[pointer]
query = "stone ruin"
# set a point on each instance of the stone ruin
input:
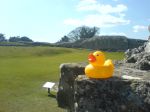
(140, 56)
(77, 93)
(127, 91)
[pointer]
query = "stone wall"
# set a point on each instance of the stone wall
(111, 95)
(77, 93)
(105, 43)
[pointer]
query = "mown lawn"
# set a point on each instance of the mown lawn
(23, 71)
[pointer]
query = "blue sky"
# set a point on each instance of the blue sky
(49, 20)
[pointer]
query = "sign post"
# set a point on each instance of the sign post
(49, 85)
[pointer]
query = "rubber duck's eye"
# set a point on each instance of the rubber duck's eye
(97, 55)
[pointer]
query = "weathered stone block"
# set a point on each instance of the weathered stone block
(68, 73)
(111, 95)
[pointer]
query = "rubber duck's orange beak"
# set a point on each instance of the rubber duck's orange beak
(91, 58)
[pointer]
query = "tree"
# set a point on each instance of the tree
(65, 39)
(25, 39)
(14, 39)
(2, 38)
(83, 32)
(20, 39)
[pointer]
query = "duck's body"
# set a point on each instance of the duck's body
(98, 67)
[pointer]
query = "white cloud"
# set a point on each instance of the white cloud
(138, 28)
(104, 15)
(98, 20)
(93, 5)
(106, 9)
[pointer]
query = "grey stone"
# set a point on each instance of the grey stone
(77, 93)
(111, 95)
(68, 73)
(144, 62)
(147, 48)
(140, 56)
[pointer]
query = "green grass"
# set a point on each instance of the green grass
(23, 71)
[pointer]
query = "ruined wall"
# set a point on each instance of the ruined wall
(140, 56)
(77, 93)
(105, 43)
(111, 95)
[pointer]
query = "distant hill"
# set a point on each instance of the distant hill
(106, 43)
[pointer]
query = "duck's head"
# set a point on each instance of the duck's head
(97, 58)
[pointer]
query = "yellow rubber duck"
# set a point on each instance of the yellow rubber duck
(98, 67)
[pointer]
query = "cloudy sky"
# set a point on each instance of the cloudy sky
(49, 20)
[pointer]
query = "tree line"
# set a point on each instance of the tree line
(14, 39)
(80, 33)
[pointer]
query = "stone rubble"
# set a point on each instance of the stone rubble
(140, 56)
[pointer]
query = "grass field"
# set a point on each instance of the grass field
(23, 71)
